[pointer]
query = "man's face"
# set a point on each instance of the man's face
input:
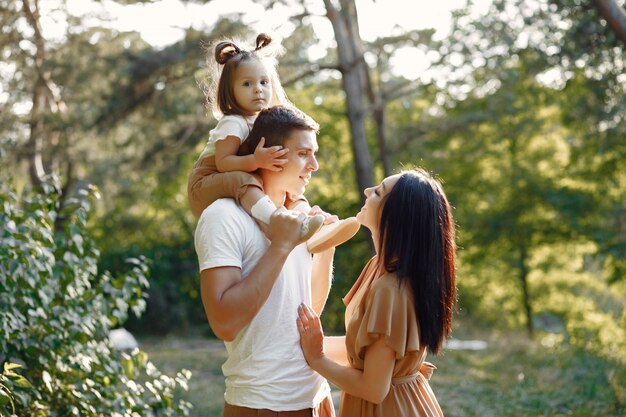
(296, 173)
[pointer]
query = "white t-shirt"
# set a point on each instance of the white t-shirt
(231, 125)
(265, 367)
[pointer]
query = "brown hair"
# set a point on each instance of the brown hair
(224, 58)
(275, 124)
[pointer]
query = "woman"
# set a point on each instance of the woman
(399, 308)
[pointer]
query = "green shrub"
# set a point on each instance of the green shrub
(11, 383)
(57, 310)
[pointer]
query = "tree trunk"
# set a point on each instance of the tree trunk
(45, 100)
(523, 275)
(380, 114)
(354, 81)
(614, 15)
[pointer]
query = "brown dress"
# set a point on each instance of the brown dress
(376, 307)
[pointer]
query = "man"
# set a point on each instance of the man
(251, 287)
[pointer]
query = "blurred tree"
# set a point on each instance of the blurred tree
(590, 64)
(515, 129)
(614, 15)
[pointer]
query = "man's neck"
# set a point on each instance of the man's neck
(278, 197)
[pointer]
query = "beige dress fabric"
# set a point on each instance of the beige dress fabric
(376, 307)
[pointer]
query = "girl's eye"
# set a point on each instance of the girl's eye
(265, 82)
(376, 192)
(246, 84)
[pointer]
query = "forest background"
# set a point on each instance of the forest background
(524, 122)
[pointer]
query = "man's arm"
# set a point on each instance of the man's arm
(321, 278)
(231, 302)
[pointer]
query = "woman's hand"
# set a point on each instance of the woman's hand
(328, 218)
(311, 334)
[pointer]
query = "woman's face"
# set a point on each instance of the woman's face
(369, 216)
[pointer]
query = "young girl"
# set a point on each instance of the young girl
(244, 83)
(400, 307)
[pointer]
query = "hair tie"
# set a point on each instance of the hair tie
(262, 41)
(225, 51)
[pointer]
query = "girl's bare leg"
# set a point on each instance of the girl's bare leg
(330, 234)
(260, 207)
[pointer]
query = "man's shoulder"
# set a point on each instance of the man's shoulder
(222, 218)
(225, 208)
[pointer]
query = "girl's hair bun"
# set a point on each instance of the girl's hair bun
(225, 51)
(262, 40)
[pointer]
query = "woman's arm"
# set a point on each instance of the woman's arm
(335, 349)
(372, 383)
(226, 158)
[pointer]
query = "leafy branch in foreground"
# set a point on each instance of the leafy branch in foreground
(57, 312)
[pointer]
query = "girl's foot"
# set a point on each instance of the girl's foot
(310, 225)
(333, 234)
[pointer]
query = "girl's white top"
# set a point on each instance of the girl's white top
(231, 125)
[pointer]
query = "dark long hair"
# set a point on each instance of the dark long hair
(417, 242)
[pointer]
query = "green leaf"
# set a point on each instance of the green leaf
(47, 380)
(22, 382)
(129, 366)
(9, 365)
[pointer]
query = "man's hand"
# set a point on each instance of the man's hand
(270, 158)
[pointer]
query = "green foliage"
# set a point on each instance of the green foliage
(525, 127)
(10, 384)
(58, 310)
(174, 284)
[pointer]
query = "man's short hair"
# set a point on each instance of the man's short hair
(275, 124)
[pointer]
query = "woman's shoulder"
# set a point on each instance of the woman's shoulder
(389, 284)
(387, 280)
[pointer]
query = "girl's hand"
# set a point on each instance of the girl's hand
(311, 334)
(270, 158)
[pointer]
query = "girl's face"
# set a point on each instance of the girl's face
(252, 86)
(369, 216)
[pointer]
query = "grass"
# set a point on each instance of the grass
(203, 356)
(516, 377)
(513, 377)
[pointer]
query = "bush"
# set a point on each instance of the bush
(57, 311)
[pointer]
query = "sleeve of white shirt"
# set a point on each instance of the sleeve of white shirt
(219, 237)
(231, 126)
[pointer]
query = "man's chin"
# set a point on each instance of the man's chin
(297, 190)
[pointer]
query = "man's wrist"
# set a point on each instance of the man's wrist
(281, 248)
